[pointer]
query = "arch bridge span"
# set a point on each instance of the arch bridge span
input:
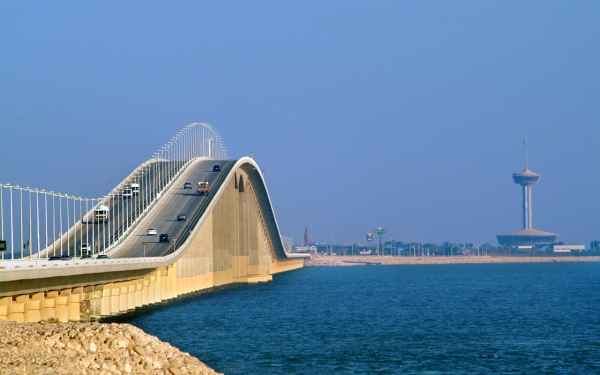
(228, 236)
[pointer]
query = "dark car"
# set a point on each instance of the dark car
(181, 217)
(54, 258)
(217, 168)
(65, 257)
(164, 238)
(102, 256)
(187, 185)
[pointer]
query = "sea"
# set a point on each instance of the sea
(527, 318)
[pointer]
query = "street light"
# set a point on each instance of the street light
(452, 248)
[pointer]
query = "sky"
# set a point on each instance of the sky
(409, 115)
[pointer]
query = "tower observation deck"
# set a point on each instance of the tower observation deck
(527, 236)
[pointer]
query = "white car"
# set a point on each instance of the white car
(152, 232)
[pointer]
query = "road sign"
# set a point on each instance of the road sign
(174, 239)
(143, 244)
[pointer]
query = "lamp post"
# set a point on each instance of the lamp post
(37, 214)
(53, 224)
(30, 228)
(379, 231)
(68, 225)
(12, 238)
(451, 249)
(1, 215)
(61, 222)
(45, 219)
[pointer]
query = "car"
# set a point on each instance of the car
(102, 256)
(187, 185)
(151, 232)
(164, 237)
(65, 257)
(54, 257)
(86, 256)
(181, 217)
(217, 168)
(85, 248)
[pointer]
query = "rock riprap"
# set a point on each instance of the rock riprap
(89, 348)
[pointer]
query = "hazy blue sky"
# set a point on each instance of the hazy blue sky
(406, 115)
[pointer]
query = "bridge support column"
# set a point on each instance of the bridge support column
(153, 296)
(61, 308)
(157, 286)
(4, 304)
(173, 277)
(123, 300)
(146, 291)
(74, 307)
(33, 312)
(16, 309)
(105, 302)
(131, 295)
(48, 305)
(86, 307)
(34, 308)
(164, 284)
(137, 297)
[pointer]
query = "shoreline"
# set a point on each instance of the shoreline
(348, 261)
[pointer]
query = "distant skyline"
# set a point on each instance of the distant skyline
(406, 115)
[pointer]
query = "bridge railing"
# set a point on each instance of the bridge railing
(35, 223)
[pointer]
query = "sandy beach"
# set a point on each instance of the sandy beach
(334, 261)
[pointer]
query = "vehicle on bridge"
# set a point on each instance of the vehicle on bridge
(164, 237)
(86, 249)
(127, 193)
(216, 168)
(152, 232)
(135, 189)
(202, 188)
(181, 217)
(187, 185)
(101, 213)
(102, 256)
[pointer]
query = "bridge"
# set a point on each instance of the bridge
(74, 258)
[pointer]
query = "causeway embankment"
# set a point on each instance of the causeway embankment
(340, 261)
(90, 348)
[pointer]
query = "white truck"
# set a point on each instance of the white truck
(202, 188)
(101, 213)
(135, 189)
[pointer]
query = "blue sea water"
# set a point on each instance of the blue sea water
(433, 319)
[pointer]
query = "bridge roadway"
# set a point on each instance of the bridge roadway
(164, 217)
(123, 212)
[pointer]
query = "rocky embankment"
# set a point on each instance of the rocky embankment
(89, 348)
(334, 261)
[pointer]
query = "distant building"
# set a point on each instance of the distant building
(306, 249)
(307, 241)
(527, 237)
(567, 248)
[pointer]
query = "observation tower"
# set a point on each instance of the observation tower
(527, 237)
